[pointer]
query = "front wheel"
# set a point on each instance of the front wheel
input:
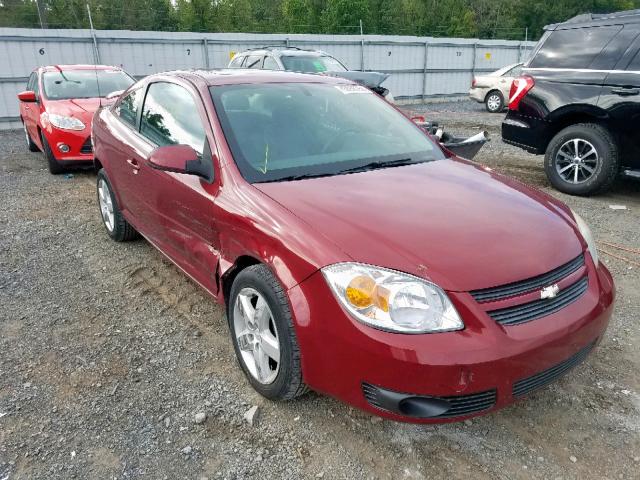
(494, 102)
(263, 334)
(582, 159)
(117, 227)
(54, 167)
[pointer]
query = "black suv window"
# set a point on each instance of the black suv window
(635, 63)
(574, 48)
(128, 107)
(170, 117)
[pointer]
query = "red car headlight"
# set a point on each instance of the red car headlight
(62, 122)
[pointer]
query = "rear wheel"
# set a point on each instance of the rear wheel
(54, 166)
(30, 145)
(494, 102)
(117, 227)
(582, 159)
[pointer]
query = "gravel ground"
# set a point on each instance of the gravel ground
(108, 354)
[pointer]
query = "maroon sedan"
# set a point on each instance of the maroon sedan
(354, 256)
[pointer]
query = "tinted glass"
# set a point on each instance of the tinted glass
(574, 48)
(253, 61)
(281, 130)
(129, 106)
(311, 64)
(170, 117)
(84, 83)
(635, 63)
(270, 64)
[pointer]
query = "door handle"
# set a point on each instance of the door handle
(134, 164)
(625, 92)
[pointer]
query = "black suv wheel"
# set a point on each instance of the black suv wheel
(582, 159)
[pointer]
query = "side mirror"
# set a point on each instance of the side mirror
(27, 96)
(179, 159)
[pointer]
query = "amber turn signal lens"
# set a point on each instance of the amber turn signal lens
(360, 291)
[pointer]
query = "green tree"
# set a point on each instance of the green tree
(343, 16)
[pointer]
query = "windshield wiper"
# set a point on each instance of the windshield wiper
(381, 164)
(302, 176)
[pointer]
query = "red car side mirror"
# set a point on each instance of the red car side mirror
(27, 96)
(178, 159)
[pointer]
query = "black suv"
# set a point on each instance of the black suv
(578, 101)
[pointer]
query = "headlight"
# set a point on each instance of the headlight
(390, 300)
(588, 236)
(64, 123)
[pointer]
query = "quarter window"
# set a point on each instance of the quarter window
(236, 62)
(170, 117)
(128, 107)
(574, 48)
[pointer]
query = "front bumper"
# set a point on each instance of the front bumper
(77, 143)
(344, 358)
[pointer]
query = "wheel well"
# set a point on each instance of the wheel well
(97, 164)
(573, 119)
(230, 275)
(492, 91)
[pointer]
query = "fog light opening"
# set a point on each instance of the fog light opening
(63, 147)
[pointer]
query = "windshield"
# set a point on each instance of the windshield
(84, 83)
(286, 130)
(312, 64)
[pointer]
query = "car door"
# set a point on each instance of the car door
(126, 155)
(30, 111)
(620, 96)
(179, 205)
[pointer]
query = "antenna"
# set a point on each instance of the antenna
(96, 54)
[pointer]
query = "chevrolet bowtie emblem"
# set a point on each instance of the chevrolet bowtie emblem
(550, 292)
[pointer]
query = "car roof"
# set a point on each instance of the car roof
(293, 51)
(594, 20)
(235, 76)
(66, 68)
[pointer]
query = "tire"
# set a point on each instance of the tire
(54, 167)
(596, 172)
(494, 102)
(281, 380)
(30, 145)
(118, 228)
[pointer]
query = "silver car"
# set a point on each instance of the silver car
(294, 59)
(493, 89)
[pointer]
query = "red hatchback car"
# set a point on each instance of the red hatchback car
(354, 256)
(57, 108)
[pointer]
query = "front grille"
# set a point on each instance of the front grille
(527, 385)
(86, 146)
(534, 283)
(460, 405)
(539, 308)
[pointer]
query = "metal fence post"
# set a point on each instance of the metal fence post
(205, 47)
(473, 65)
(424, 71)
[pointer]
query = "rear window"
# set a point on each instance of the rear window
(311, 64)
(574, 48)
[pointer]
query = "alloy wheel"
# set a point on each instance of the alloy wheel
(257, 336)
(106, 205)
(577, 161)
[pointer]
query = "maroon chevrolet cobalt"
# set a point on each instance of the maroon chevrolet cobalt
(353, 255)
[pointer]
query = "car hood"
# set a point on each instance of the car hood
(458, 224)
(82, 108)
